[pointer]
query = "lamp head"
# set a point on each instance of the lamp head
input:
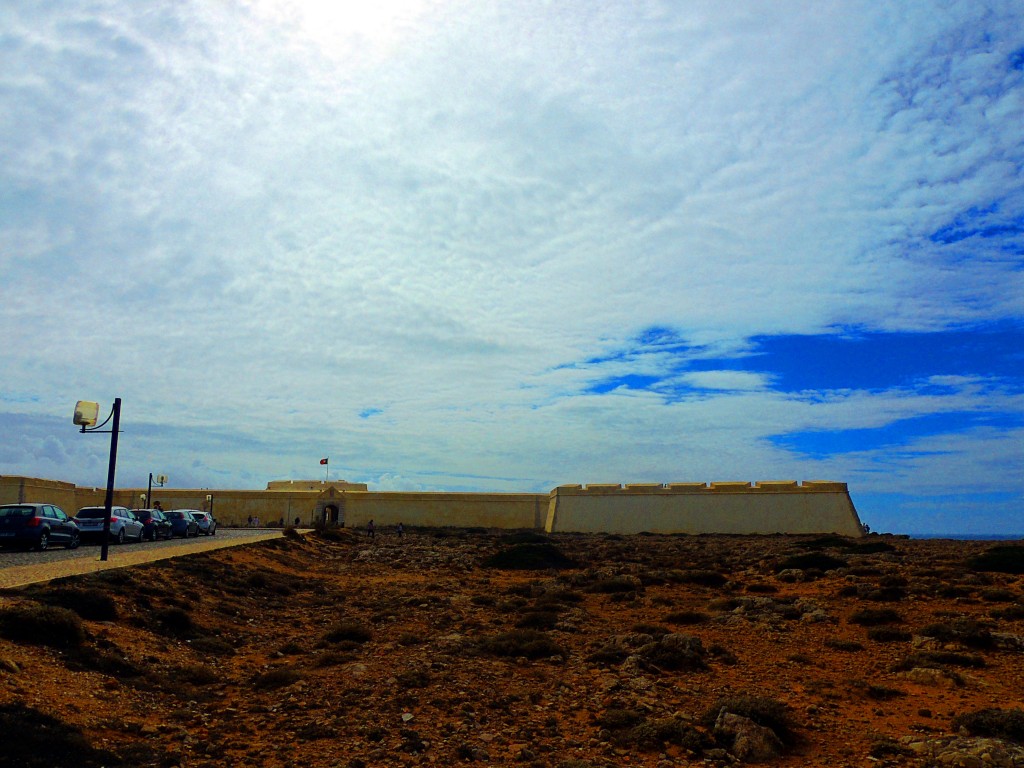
(86, 413)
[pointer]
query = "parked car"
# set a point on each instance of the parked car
(123, 524)
(182, 523)
(37, 525)
(155, 524)
(207, 525)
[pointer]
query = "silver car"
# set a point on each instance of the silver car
(207, 525)
(123, 524)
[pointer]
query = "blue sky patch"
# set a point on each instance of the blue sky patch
(865, 361)
(885, 360)
(821, 444)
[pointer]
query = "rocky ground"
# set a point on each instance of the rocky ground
(470, 647)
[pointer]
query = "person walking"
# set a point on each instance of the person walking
(400, 530)
(371, 529)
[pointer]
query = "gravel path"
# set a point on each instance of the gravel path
(18, 568)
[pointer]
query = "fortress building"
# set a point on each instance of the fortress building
(810, 507)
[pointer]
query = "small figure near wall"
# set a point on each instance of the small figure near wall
(371, 529)
(400, 530)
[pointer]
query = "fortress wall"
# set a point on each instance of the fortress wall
(740, 508)
(487, 510)
(694, 508)
(15, 489)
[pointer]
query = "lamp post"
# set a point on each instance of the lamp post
(209, 499)
(160, 480)
(86, 413)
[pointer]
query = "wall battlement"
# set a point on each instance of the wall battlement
(763, 486)
(766, 507)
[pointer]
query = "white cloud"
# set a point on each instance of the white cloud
(223, 210)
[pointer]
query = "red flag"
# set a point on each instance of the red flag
(323, 461)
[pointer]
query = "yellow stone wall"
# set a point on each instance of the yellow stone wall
(487, 510)
(694, 508)
(733, 507)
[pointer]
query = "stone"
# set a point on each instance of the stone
(751, 742)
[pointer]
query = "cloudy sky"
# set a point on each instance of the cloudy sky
(504, 246)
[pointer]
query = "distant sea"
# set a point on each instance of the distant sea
(970, 536)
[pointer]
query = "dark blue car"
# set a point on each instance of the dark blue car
(182, 523)
(37, 525)
(155, 524)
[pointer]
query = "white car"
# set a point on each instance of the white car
(123, 524)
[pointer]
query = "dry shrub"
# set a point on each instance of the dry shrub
(702, 578)
(1009, 613)
(614, 584)
(42, 741)
(888, 635)
(872, 617)
(42, 625)
(763, 710)
(275, 678)
(175, 621)
(1003, 559)
(91, 604)
(529, 557)
(688, 617)
(967, 632)
(817, 561)
(849, 646)
(993, 722)
(346, 631)
(940, 659)
(674, 652)
(521, 642)
(538, 620)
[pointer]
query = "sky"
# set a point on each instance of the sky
(491, 246)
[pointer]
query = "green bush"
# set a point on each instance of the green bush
(47, 625)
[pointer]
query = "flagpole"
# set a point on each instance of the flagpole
(327, 470)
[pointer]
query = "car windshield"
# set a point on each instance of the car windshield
(16, 511)
(92, 514)
(175, 515)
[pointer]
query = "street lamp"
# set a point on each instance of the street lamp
(86, 414)
(209, 498)
(160, 480)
